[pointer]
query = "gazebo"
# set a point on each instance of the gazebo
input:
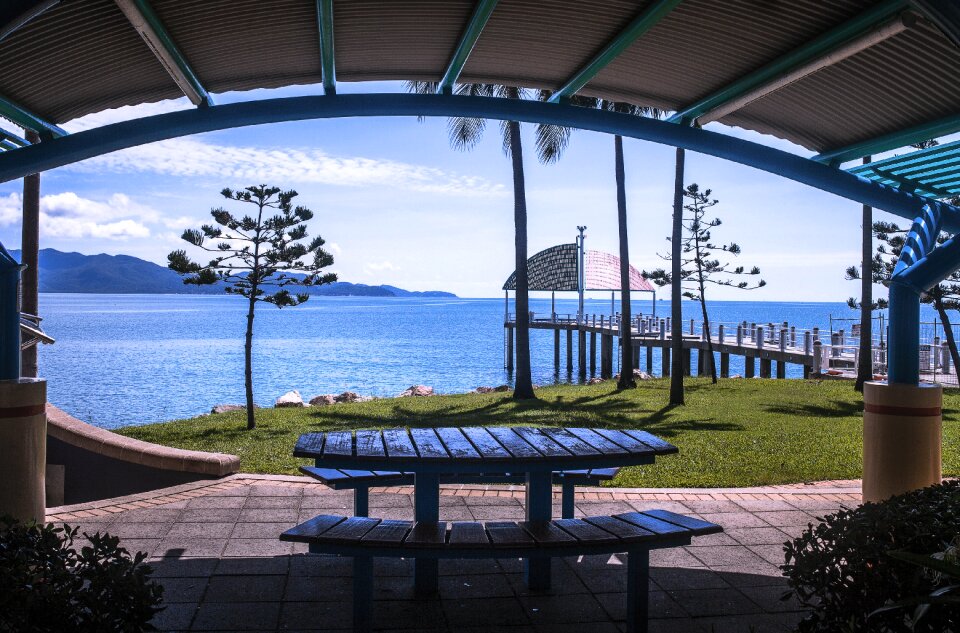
(845, 79)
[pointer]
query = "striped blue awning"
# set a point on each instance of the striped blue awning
(932, 172)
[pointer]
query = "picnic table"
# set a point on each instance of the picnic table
(429, 453)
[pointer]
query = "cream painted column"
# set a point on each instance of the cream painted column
(23, 448)
(901, 438)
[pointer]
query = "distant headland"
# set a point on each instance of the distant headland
(124, 274)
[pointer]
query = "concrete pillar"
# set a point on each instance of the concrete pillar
(593, 353)
(606, 356)
(765, 366)
(650, 359)
(749, 366)
(569, 351)
(902, 426)
(23, 436)
(781, 369)
(556, 350)
(582, 353)
(664, 361)
(509, 359)
(687, 362)
(724, 365)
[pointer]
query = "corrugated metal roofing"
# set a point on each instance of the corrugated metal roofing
(82, 56)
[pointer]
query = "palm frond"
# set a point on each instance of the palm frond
(465, 132)
(551, 142)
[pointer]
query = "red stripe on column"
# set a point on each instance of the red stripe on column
(919, 412)
(23, 412)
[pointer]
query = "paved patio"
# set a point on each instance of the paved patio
(214, 547)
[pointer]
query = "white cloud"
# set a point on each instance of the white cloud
(67, 215)
(372, 268)
(190, 157)
(125, 113)
(333, 248)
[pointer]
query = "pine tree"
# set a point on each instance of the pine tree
(258, 257)
(699, 265)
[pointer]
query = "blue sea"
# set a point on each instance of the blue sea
(135, 359)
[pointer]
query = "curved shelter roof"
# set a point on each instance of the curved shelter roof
(60, 59)
(555, 268)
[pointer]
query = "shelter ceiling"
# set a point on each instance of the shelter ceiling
(83, 56)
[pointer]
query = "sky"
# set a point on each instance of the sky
(397, 205)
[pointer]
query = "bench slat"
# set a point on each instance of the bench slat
(339, 443)
(389, 532)
(370, 444)
(632, 444)
(516, 445)
(653, 524)
(468, 534)
(312, 528)
(546, 533)
(458, 445)
(570, 442)
(398, 443)
(597, 441)
(427, 533)
(542, 442)
(358, 474)
(654, 442)
(428, 444)
(508, 534)
(324, 475)
(586, 532)
(308, 445)
(486, 444)
(626, 532)
(353, 529)
(696, 525)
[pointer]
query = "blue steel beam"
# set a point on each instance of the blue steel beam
(7, 145)
(481, 13)
(116, 136)
(621, 42)
(28, 120)
(327, 60)
(16, 139)
(893, 140)
(148, 24)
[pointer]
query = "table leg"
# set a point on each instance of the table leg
(539, 507)
(426, 507)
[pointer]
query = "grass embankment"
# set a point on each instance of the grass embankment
(736, 433)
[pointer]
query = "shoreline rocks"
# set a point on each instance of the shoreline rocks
(416, 391)
(291, 399)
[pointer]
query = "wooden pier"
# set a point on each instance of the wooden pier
(766, 348)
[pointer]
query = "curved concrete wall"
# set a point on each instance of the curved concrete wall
(93, 463)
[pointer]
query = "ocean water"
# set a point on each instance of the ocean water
(135, 359)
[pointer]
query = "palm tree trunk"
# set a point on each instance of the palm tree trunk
(626, 347)
(865, 353)
(948, 334)
(676, 315)
(30, 255)
(523, 388)
(248, 362)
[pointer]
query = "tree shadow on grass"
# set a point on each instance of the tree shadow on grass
(832, 409)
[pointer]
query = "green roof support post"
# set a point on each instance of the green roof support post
(327, 60)
(819, 47)
(481, 13)
(28, 120)
(9, 316)
(900, 138)
(146, 22)
(640, 25)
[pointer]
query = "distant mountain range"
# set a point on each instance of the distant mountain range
(124, 274)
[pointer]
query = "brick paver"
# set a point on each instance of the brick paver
(214, 547)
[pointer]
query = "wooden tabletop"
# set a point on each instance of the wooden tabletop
(478, 449)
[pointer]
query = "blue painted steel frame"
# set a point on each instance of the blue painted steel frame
(9, 316)
(109, 138)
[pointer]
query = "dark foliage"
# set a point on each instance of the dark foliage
(841, 569)
(46, 584)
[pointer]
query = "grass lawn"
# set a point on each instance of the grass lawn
(736, 433)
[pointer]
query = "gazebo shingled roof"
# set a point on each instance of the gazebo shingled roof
(555, 268)
(83, 56)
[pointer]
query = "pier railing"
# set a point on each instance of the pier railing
(833, 351)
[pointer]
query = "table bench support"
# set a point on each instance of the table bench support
(426, 507)
(363, 593)
(361, 501)
(539, 507)
(638, 585)
(566, 500)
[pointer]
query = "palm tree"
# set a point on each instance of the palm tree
(465, 133)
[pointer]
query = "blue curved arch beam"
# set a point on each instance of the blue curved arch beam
(95, 142)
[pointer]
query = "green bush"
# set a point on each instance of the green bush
(841, 570)
(47, 585)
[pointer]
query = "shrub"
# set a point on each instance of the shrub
(47, 585)
(841, 570)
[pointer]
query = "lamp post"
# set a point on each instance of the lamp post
(581, 274)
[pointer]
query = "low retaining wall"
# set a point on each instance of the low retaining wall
(87, 463)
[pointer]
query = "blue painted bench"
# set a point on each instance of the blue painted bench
(635, 533)
(360, 481)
